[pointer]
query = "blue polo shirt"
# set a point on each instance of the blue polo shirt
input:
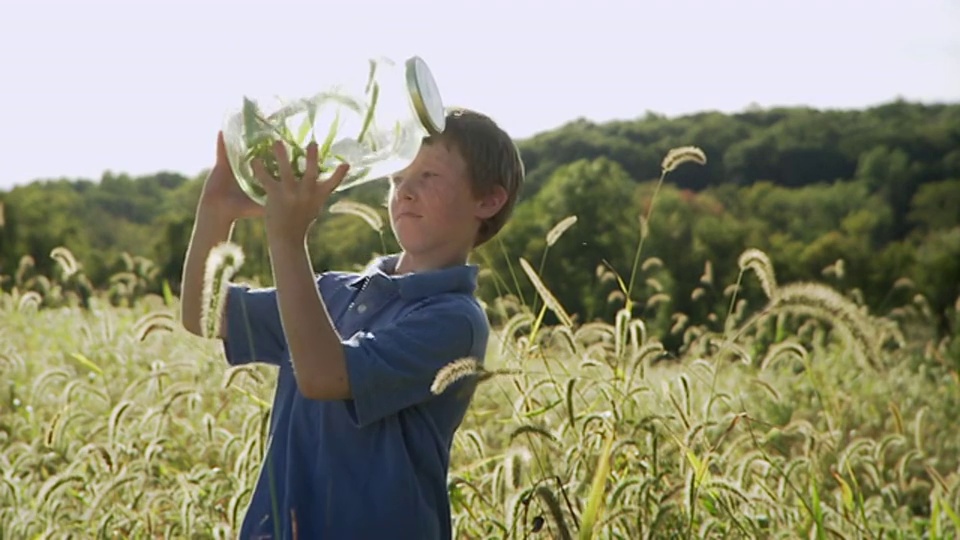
(374, 466)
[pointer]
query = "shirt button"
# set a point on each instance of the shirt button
(361, 308)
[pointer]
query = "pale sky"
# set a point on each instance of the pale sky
(140, 86)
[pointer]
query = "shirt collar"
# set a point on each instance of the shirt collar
(415, 285)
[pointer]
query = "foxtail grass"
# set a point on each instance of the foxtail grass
(222, 264)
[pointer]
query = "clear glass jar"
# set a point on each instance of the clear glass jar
(376, 124)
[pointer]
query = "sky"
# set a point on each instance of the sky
(142, 86)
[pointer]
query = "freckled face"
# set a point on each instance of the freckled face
(432, 206)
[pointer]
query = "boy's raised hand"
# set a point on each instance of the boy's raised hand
(222, 194)
(293, 204)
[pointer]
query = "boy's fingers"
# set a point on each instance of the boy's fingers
(311, 172)
(260, 172)
(221, 148)
(336, 178)
(283, 163)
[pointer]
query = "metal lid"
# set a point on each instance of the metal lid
(425, 96)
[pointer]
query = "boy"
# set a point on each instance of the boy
(359, 447)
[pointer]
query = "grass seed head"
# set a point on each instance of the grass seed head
(223, 262)
(680, 155)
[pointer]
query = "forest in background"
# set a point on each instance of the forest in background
(867, 201)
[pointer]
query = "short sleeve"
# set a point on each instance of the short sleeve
(254, 331)
(392, 367)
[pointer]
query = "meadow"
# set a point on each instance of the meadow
(797, 413)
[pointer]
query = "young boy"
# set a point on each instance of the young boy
(359, 446)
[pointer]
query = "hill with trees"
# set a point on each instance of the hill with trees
(866, 200)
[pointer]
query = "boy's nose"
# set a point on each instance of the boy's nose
(405, 189)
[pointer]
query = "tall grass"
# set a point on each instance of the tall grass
(803, 416)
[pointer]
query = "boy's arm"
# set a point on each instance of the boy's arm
(250, 324)
(313, 342)
(382, 371)
(393, 367)
(209, 230)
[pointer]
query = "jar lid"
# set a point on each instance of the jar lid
(425, 96)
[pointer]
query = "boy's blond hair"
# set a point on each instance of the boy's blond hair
(492, 159)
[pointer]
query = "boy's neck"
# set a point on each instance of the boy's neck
(415, 262)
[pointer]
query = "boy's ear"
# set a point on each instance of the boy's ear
(492, 202)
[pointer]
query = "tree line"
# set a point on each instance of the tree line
(867, 200)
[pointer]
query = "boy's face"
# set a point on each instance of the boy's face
(433, 210)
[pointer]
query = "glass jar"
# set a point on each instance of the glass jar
(377, 126)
